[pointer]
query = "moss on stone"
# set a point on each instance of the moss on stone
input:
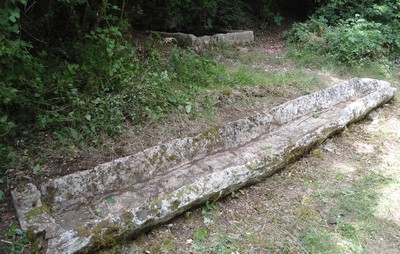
(70, 195)
(211, 134)
(253, 165)
(106, 234)
(174, 199)
(22, 185)
(48, 197)
(172, 158)
(82, 231)
(35, 239)
(127, 217)
(32, 214)
(175, 204)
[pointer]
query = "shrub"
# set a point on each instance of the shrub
(352, 31)
(301, 32)
(356, 40)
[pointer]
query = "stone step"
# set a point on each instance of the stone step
(97, 208)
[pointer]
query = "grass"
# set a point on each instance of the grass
(352, 217)
(326, 63)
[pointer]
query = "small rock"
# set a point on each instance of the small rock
(242, 50)
(328, 146)
(373, 116)
(331, 221)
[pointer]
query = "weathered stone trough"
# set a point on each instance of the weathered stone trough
(93, 209)
(200, 43)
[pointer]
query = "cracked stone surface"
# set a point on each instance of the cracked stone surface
(89, 210)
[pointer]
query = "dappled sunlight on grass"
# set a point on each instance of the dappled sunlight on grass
(389, 203)
(389, 126)
(388, 207)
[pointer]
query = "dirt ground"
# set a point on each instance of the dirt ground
(341, 198)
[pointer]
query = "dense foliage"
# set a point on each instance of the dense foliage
(353, 31)
(203, 16)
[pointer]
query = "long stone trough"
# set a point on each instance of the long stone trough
(97, 208)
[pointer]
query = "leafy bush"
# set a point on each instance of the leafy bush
(356, 40)
(302, 32)
(352, 31)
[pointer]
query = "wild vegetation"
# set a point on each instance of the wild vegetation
(71, 69)
(353, 32)
(72, 72)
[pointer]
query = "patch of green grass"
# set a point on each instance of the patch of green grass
(201, 234)
(359, 200)
(247, 76)
(319, 240)
(298, 80)
(326, 63)
(353, 211)
(207, 211)
(221, 244)
(350, 216)
(309, 58)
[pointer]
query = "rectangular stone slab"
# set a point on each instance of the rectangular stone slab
(202, 43)
(93, 209)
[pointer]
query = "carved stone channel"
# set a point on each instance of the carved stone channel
(89, 210)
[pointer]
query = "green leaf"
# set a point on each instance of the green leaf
(1, 195)
(18, 231)
(207, 219)
(36, 168)
(3, 119)
(188, 109)
(88, 117)
(111, 200)
(74, 134)
(202, 234)
(14, 28)
(14, 14)
(14, 230)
